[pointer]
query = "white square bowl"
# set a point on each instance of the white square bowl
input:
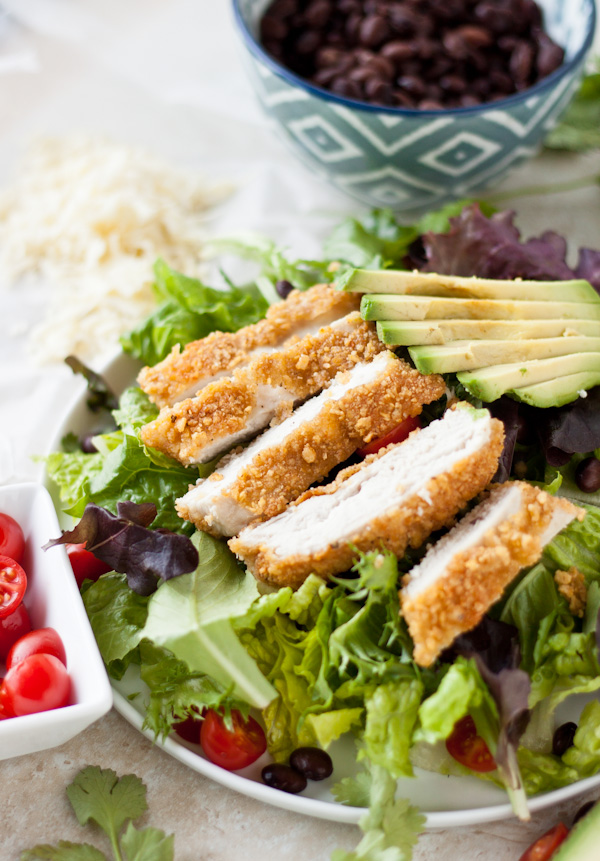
(53, 601)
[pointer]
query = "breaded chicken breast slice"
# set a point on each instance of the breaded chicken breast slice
(184, 372)
(395, 499)
(467, 570)
(362, 404)
(234, 409)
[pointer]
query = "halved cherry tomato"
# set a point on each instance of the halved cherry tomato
(399, 434)
(42, 641)
(189, 729)
(12, 540)
(232, 749)
(84, 564)
(13, 582)
(544, 848)
(468, 748)
(38, 684)
(13, 628)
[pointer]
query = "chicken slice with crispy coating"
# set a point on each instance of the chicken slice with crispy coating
(467, 570)
(182, 374)
(362, 404)
(395, 499)
(233, 409)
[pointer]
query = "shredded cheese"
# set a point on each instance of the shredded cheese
(91, 216)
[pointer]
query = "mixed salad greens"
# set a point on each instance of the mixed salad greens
(333, 658)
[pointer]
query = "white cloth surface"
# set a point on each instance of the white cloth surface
(166, 74)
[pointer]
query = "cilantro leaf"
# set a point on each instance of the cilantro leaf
(63, 851)
(353, 791)
(150, 844)
(100, 795)
(391, 827)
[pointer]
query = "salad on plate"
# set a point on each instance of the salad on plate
(375, 524)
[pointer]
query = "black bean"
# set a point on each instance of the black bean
(478, 50)
(283, 777)
(86, 443)
(430, 105)
(521, 62)
(284, 288)
(413, 85)
(549, 56)
(453, 84)
(563, 737)
(583, 811)
(374, 30)
(344, 86)
(587, 475)
(273, 28)
(317, 14)
(398, 51)
(312, 762)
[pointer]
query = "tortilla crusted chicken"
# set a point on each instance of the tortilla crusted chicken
(394, 499)
(183, 373)
(233, 409)
(467, 570)
(362, 404)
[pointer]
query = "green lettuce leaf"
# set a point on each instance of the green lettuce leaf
(175, 692)
(124, 469)
(579, 129)
(391, 717)
(578, 545)
(584, 755)
(190, 310)
(117, 615)
(191, 617)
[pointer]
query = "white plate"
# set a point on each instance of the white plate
(52, 600)
(446, 801)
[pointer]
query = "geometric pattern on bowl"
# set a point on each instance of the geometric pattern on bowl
(408, 159)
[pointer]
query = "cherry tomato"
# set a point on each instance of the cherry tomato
(189, 729)
(13, 582)
(42, 641)
(12, 540)
(13, 628)
(232, 749)
(84, 564)
(468, 748)
(399, 434)
(37, 684)
(544, 848)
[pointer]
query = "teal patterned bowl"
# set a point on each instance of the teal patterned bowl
(412, 160)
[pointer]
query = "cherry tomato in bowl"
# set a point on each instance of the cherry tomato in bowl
(544, 848)
(234, 748)
(13, 582)
(468, 748)
(12, 628)
(398, 434)
(84, 564)
(37, 684)
(42, 641)
(12, 540)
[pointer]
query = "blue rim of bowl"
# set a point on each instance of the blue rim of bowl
(545, 83)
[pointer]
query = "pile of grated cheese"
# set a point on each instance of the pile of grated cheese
(91, 217)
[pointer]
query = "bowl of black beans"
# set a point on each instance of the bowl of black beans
(412, 103)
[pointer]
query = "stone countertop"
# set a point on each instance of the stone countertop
(106, 68)
(211, 823)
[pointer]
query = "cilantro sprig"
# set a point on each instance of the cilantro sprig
(99, 795)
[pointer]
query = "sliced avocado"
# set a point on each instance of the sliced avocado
(468, 355)
(382, 307)
(556, 393)
(583, 842)
(430, 284)
(408, 333)
(488, 384)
